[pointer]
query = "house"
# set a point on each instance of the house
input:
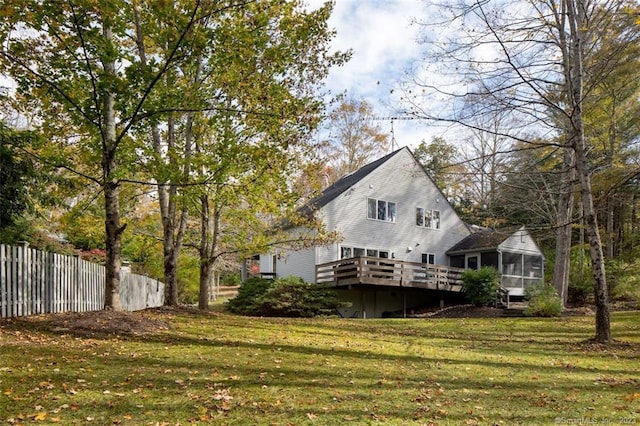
(398, 231)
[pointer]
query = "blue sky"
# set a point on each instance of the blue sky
(384, 47)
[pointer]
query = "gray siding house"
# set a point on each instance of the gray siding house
(397, 232)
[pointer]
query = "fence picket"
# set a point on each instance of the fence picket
(3, 281)
(34, 282)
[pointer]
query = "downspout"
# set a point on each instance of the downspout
(499, 265)
(500, 275)
(522, 271)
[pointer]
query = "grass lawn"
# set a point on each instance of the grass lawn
(222, 369)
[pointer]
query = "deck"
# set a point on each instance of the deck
(388, 272)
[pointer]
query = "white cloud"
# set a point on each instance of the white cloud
(384, 44)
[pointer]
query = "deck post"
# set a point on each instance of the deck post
(404, 304)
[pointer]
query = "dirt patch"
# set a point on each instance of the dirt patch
(90, 324)
(463, 311)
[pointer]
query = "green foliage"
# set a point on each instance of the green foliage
(624, 278)
(230, 279)
(480, 286)
(292, 297)
(438, 158)
(249, 294)
(543, 301)
(188, 278)
(17, 176)
(284, 297)
(580, 276)
(84, 226)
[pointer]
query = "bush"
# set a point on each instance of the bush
(283, 297)
(249, 295)
(624, 280)
(543, 301)
(480, 287)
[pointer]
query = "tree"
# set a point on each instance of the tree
(439, 159)
(355, 138)
(529, 61)
(77, 73)
(17, 176)
(263, 81)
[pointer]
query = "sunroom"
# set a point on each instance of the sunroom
(513, 253)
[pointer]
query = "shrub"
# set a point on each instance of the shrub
(623, 278)
(249, 295)
(480, 287)
(543, 301)
(292, 297)
(283, 297)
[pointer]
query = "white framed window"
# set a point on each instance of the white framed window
(429, 258)
(357, 252)
(427, 218)
(347, 252)
(385, 211)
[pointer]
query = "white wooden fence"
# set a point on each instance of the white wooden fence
(36, 282)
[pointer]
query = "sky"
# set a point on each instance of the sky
(384, 44)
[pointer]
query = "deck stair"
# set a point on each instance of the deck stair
(515, 310)
(227, 291)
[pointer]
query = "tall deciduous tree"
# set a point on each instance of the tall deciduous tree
(355, 138)
(442, 161)
(265, 75)
(76, 68)
(529, 60)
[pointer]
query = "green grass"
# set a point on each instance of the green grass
(224, 369)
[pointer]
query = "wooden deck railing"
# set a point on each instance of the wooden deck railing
(388, 272)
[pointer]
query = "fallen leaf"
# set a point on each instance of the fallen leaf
(39, 416)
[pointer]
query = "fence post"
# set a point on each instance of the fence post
(4, 281)
(23, 279)
(80, 291)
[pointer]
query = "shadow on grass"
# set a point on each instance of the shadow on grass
(285, 369)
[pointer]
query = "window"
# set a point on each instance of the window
(429, 258)
(472, 262)
(347, 252)
(429, 219)
(420, 216)
(381, 210)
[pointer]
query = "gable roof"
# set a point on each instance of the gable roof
(485, 239)
(344, 183)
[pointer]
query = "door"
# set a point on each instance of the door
(473, 261)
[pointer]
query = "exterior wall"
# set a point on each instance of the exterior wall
(520, 242)
(299, 263)
(401, 180)
(383, 302)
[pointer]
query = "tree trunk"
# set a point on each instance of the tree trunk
(603, 327)
(167, 199)
(113, 243)
(574, 82)
(167, 191)
(208, 246)
(206, 276)
(564, 216)
(111, 190)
